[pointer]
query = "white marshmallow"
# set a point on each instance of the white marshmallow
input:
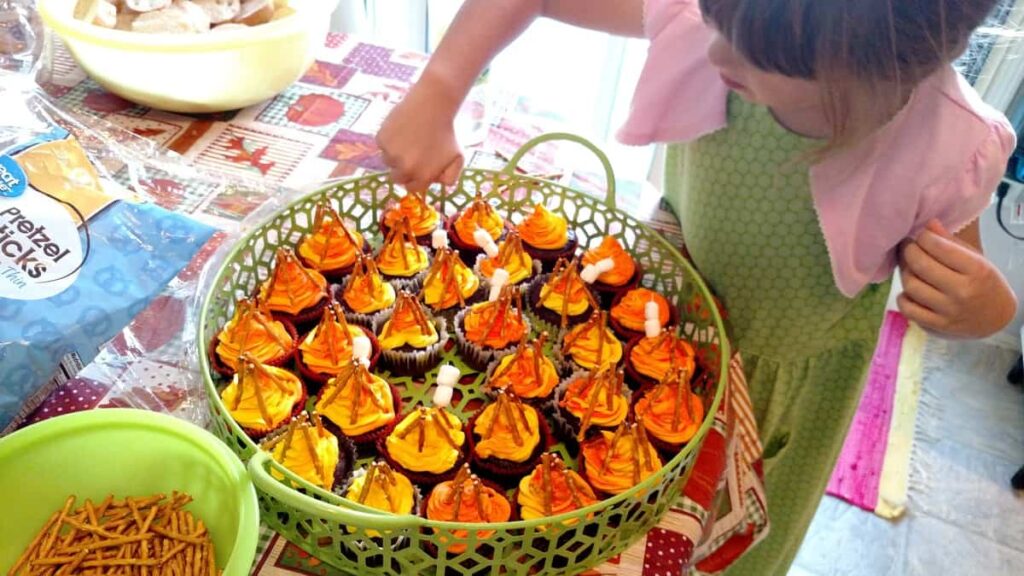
(498, 281)
(606, 265)
(652, 328)
(442, 396)
(590, 274)
(651, 311)
(439, 239)
(361, 348)
(483, 240)
(448, 375)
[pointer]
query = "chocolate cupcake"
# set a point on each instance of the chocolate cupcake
(462, 228)
(332, 248)
(401, 260)
(465, 499)
(328, 349)
(428, 446)
(489, 331)
(623, 275)
(294, 293)
(411, 341)
(360, 406)
(561, 299)
(262, 398)
(423, 218)
(449, 285)
(365, 296)
(649, 360)
(590, 346)
(312, 452)
(528, 373)
(512, 258)
(629, 312)
(588, 402)
(670, 412)
(614, 462)
(255, 332)
(547, 237)
(507, 438)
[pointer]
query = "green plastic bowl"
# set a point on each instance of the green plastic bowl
(125, 453)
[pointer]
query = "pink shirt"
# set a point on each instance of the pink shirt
(941, 157)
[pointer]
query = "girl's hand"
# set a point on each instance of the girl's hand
(950, 288)
(417, 139)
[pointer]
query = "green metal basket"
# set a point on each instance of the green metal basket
(362, 540)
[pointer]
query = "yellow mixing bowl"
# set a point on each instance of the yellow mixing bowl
(195, 73)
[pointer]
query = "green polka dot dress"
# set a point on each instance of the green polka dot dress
(743, 197)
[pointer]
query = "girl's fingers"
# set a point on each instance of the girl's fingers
(922, 264)
(924, 294)
(917, 313)
(947, 250)
(451, 174)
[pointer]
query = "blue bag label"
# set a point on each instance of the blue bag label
(12, 178)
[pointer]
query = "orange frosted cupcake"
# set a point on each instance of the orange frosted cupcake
(506, 438)
(401, 260)
(255, 332)
(552, 489)
(613, 462)
(261, 398)
(490, 330)
(561, 299)
(332, 247)
(466, 500)
(427, 445)
(624, 275)
(547, 237)
(449, 284)
(293, 292)
(649, 360)
(591, 345)
(423, 218)
(312, 452)
(528, 372)
(512, 258)
(629, 312)
(366, 296)
(327, 350)
(462, 227)
(671, 413)
(411, 342)
(589, 402)
(359, 405)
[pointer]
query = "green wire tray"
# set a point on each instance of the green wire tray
(361, 540)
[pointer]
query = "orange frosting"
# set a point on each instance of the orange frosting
(366, 291)
(552, 489)
(630, 309)
(466, 500)
(327, 349)
(292, 287)
(565, 292)
(254, 332)
(402, 258)
(625, 266)
(479, 214)
(449, 282)
(596, 399)
(511, 256)
(331, 245)
(672, 412)
(593, 345)
(408, 326)
(507, 430)
(544, 229)
(653, 357)
(357, 402)
(495, 324)
(528, 373)
(422, 217)
(617, 462)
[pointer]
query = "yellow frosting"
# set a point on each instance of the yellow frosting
(653, 359)
(423, 218)
(327, 349)
(480, 214)
(299, 460)
(441, 507)
(434, 290)
(577, 400)
(531, 494)
(329, 247)
(484, 329)
(279, 403)
(500, 443)
(658, 417)
(368, 293)
(518, 374)
(622, 472)
(402, 329)
(630, 310)
(342, 406)
(559, 288)
(246, 334)
(545, 230)
(586, 342)
(518, 264)
(399, 498)
(437, 455)
(624, 268)
(295, 287)
(391, 261)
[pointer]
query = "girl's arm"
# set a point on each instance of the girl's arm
(418, 138)
(950, 288)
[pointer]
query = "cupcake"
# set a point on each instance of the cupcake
(332, 247)
(589, 402)
(381, 488)
(671, 413)
(623, 275)
(552, 489)
(506, 438)
(253, 331)
(591, 345)
(411, 342)
(466, 500)
(327, 350)
(561, 299)
(629, 312)
(490, 330)
(294, 293)
(615, 462)
(462, 227)
(365, 296)
(512, 258)
(427, 446)
(261, 398)
(311, 452)
(528, 372)
(359, 405)
(401, 260)
(547, 237)
(449, 284)
(423, 218)
(649, 360)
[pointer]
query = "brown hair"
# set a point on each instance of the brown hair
(869, 51)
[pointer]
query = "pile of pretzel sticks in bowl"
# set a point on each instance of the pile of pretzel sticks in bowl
(148, 536)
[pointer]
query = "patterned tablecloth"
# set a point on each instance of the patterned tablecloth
(322, 127)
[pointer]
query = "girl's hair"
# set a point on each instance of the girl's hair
(871, 51)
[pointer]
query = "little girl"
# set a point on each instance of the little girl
(813, 147)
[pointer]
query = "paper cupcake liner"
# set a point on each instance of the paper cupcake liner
(549, 319)
(478, 357)
(368, 440)
(628, 334)
(415, 362)
(536, 402)
(451, 312)
(506, 472)
(353, 317)
(427, 479)
(258, 434)
(607, 293)
(567, 424)
(408, 284)
(485, 282)
(315, 380)
(549, 257)
(282, 361)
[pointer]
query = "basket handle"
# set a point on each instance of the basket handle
(313, 507)
(513, 163)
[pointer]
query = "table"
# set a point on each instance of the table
(320, 128)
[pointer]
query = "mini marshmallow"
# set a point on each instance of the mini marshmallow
(483, 240)
(448, 375)
(439, 239)
(442, 396)
(589, 274)
(651, 311)
(606, 265)
(652, 328)
(498, 281)
(361, 348)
